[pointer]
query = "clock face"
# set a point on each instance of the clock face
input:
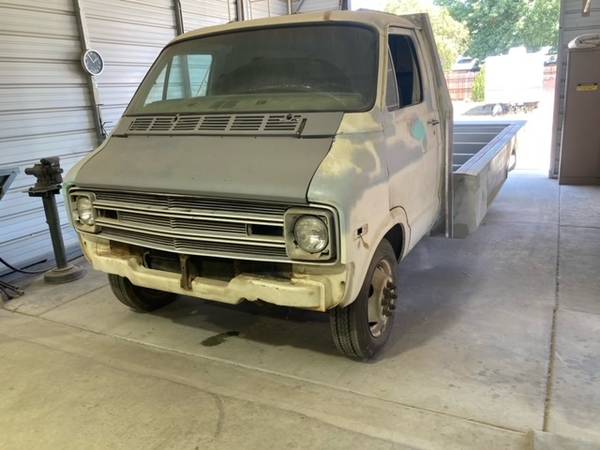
(93, 62)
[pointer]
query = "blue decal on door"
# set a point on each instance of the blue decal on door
(418, 131)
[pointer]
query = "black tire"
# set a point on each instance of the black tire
(138, 298)
(351, 328)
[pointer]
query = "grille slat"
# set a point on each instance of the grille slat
(183, 224)
(187, 123)
(190, 246)
(162, 123)
(191, 203)
(214, 123)
(284, 124)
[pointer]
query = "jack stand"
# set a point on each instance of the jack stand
(48, 174)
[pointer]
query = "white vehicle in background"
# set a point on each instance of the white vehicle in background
(466, 64)
(514, 82)
(293, 160)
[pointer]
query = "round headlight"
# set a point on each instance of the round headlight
(85, 211)
(311, 234)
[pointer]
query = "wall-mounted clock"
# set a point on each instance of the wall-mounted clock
(92, 62)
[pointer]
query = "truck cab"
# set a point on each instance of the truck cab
(293, 160)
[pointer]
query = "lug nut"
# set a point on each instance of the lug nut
(390, 293)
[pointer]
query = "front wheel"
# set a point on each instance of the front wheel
(138, 298)
(361, 329)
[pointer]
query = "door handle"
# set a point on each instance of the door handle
(433, 122)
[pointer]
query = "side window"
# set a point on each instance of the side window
(391, 96)
(185, 76)
(406, 68)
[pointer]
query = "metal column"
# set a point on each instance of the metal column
(239, 9)
(91, 82)
(179, 27)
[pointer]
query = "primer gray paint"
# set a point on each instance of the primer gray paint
(269, 168)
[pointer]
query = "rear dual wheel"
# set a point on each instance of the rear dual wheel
(362, 329)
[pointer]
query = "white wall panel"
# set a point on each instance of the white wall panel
(14, 98)
(44, 111)
(198, 14)
(129, 34)
(317, 5)
(266, 8)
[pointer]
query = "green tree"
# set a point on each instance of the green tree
(478, 93)
(540, 27)
(497, 25)
(452, 37)
(494, 24)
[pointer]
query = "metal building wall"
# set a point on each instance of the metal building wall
(129, 35)
(258, 9)
(198, 14)
(572, 24)
(44, 111)
(304, 6)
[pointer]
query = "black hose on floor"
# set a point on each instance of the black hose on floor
(14, 269)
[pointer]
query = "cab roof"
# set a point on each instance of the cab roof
(379, 20)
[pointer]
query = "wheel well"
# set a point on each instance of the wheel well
(396, 237)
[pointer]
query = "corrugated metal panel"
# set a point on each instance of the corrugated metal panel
(44, 111)
(266, 8)
(198, 14)
(572, 24)
(129, 34)
(317, 5)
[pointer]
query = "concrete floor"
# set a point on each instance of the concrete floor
(495, 346)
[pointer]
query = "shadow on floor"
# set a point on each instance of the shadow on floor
(429, 294)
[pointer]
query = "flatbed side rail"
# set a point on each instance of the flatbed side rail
(479, 179)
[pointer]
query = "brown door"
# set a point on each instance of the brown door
(580, 154)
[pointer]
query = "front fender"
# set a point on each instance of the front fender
(353, 178)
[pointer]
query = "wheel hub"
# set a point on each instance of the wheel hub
(382, 298)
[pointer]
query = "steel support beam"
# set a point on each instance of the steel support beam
(91, 82)
(240, 10)
(299, 6)
(178, 12)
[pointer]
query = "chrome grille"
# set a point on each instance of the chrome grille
(175, 224)
(192, 225)
(195, 247)
(192, 204)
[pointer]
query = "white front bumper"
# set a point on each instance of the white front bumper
(318, 292)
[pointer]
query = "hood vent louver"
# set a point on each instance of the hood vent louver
(275, 124)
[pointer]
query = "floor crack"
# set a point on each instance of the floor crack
(552, 349)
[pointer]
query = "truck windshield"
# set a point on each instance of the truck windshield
(291, 69)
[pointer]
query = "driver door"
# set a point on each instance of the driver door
(411, 128)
